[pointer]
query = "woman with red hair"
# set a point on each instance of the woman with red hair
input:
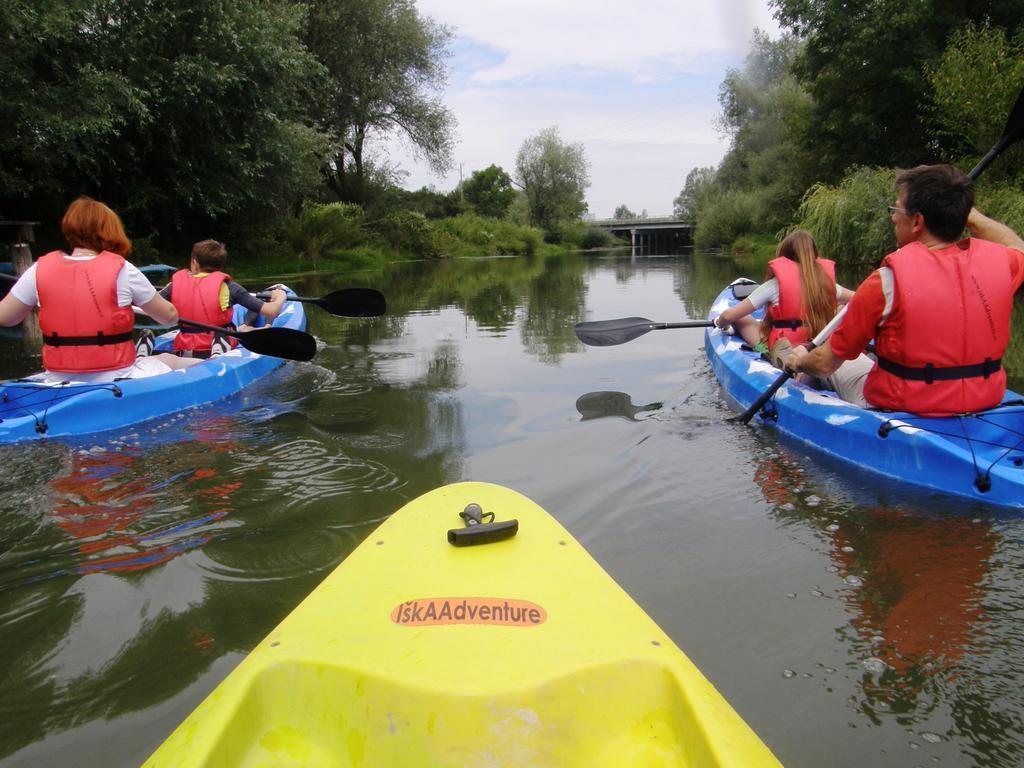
(85, 302)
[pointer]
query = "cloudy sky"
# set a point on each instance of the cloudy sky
(636, 84)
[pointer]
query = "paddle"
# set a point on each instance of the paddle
(608, 333)
(286, 343)
(1013, 132)
(348, 302)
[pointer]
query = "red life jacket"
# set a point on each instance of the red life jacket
(786, 315)
(198, 298)
(84, 330)
(940, 350)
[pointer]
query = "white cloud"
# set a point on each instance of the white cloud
(637, 85)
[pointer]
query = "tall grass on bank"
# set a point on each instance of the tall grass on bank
(1003, 202)
(471, 235)
(851, 222)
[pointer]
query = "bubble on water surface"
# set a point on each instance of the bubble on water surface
(931, 738)
(854, 581)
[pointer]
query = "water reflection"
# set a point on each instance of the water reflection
(915, 586)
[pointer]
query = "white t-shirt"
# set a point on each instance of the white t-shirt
(768, 293)
(132, 286)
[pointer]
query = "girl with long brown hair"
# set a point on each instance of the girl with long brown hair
(800, 293)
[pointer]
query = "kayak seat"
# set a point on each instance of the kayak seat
(629, 714)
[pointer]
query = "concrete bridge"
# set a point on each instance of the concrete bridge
(653, 234)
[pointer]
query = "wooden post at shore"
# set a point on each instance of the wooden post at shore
(18, 234)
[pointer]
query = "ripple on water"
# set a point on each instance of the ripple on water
(276, 554)
(303, 472)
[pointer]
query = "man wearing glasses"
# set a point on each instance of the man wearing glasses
(938, 308)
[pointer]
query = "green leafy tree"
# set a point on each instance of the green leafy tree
(764, 111)
(864, 65)
(974, 85)
(61, 102)
(384, 73)
(762, 177)
(490, 191)
(623, 212)
(554, 176)
(699, 188)
(185, 118)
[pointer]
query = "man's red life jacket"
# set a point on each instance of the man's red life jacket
(84, 330)
(940, 350)
(198, 298)
(786, 315)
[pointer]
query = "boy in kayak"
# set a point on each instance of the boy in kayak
(801, 293)
(85, 302)
(205, 293)
(938, 308)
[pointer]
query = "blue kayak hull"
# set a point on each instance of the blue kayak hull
(31, 411)
(979, 457)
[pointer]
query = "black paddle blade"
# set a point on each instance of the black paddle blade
(608, 333)
(1014, 129)
(286, 343)
(1013, 132)
(354, 302)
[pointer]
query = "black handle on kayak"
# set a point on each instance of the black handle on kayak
(479, 532)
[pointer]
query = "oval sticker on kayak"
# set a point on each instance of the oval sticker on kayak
(433, 611)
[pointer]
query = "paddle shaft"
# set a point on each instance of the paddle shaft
(687, 324)
(817, 341)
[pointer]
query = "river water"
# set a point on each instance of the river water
(850, 625)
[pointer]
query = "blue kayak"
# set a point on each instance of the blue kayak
(32, 410)
(978, 456)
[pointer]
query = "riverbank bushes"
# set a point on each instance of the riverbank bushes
(341, 237)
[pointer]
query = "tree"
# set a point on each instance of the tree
(185, 119)
(699, 187)
(384, 72)
(59, 103)
(554, 175)
(490, 191)
(864, 64)
(973, 87)
(623, 212)
(765, 112)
